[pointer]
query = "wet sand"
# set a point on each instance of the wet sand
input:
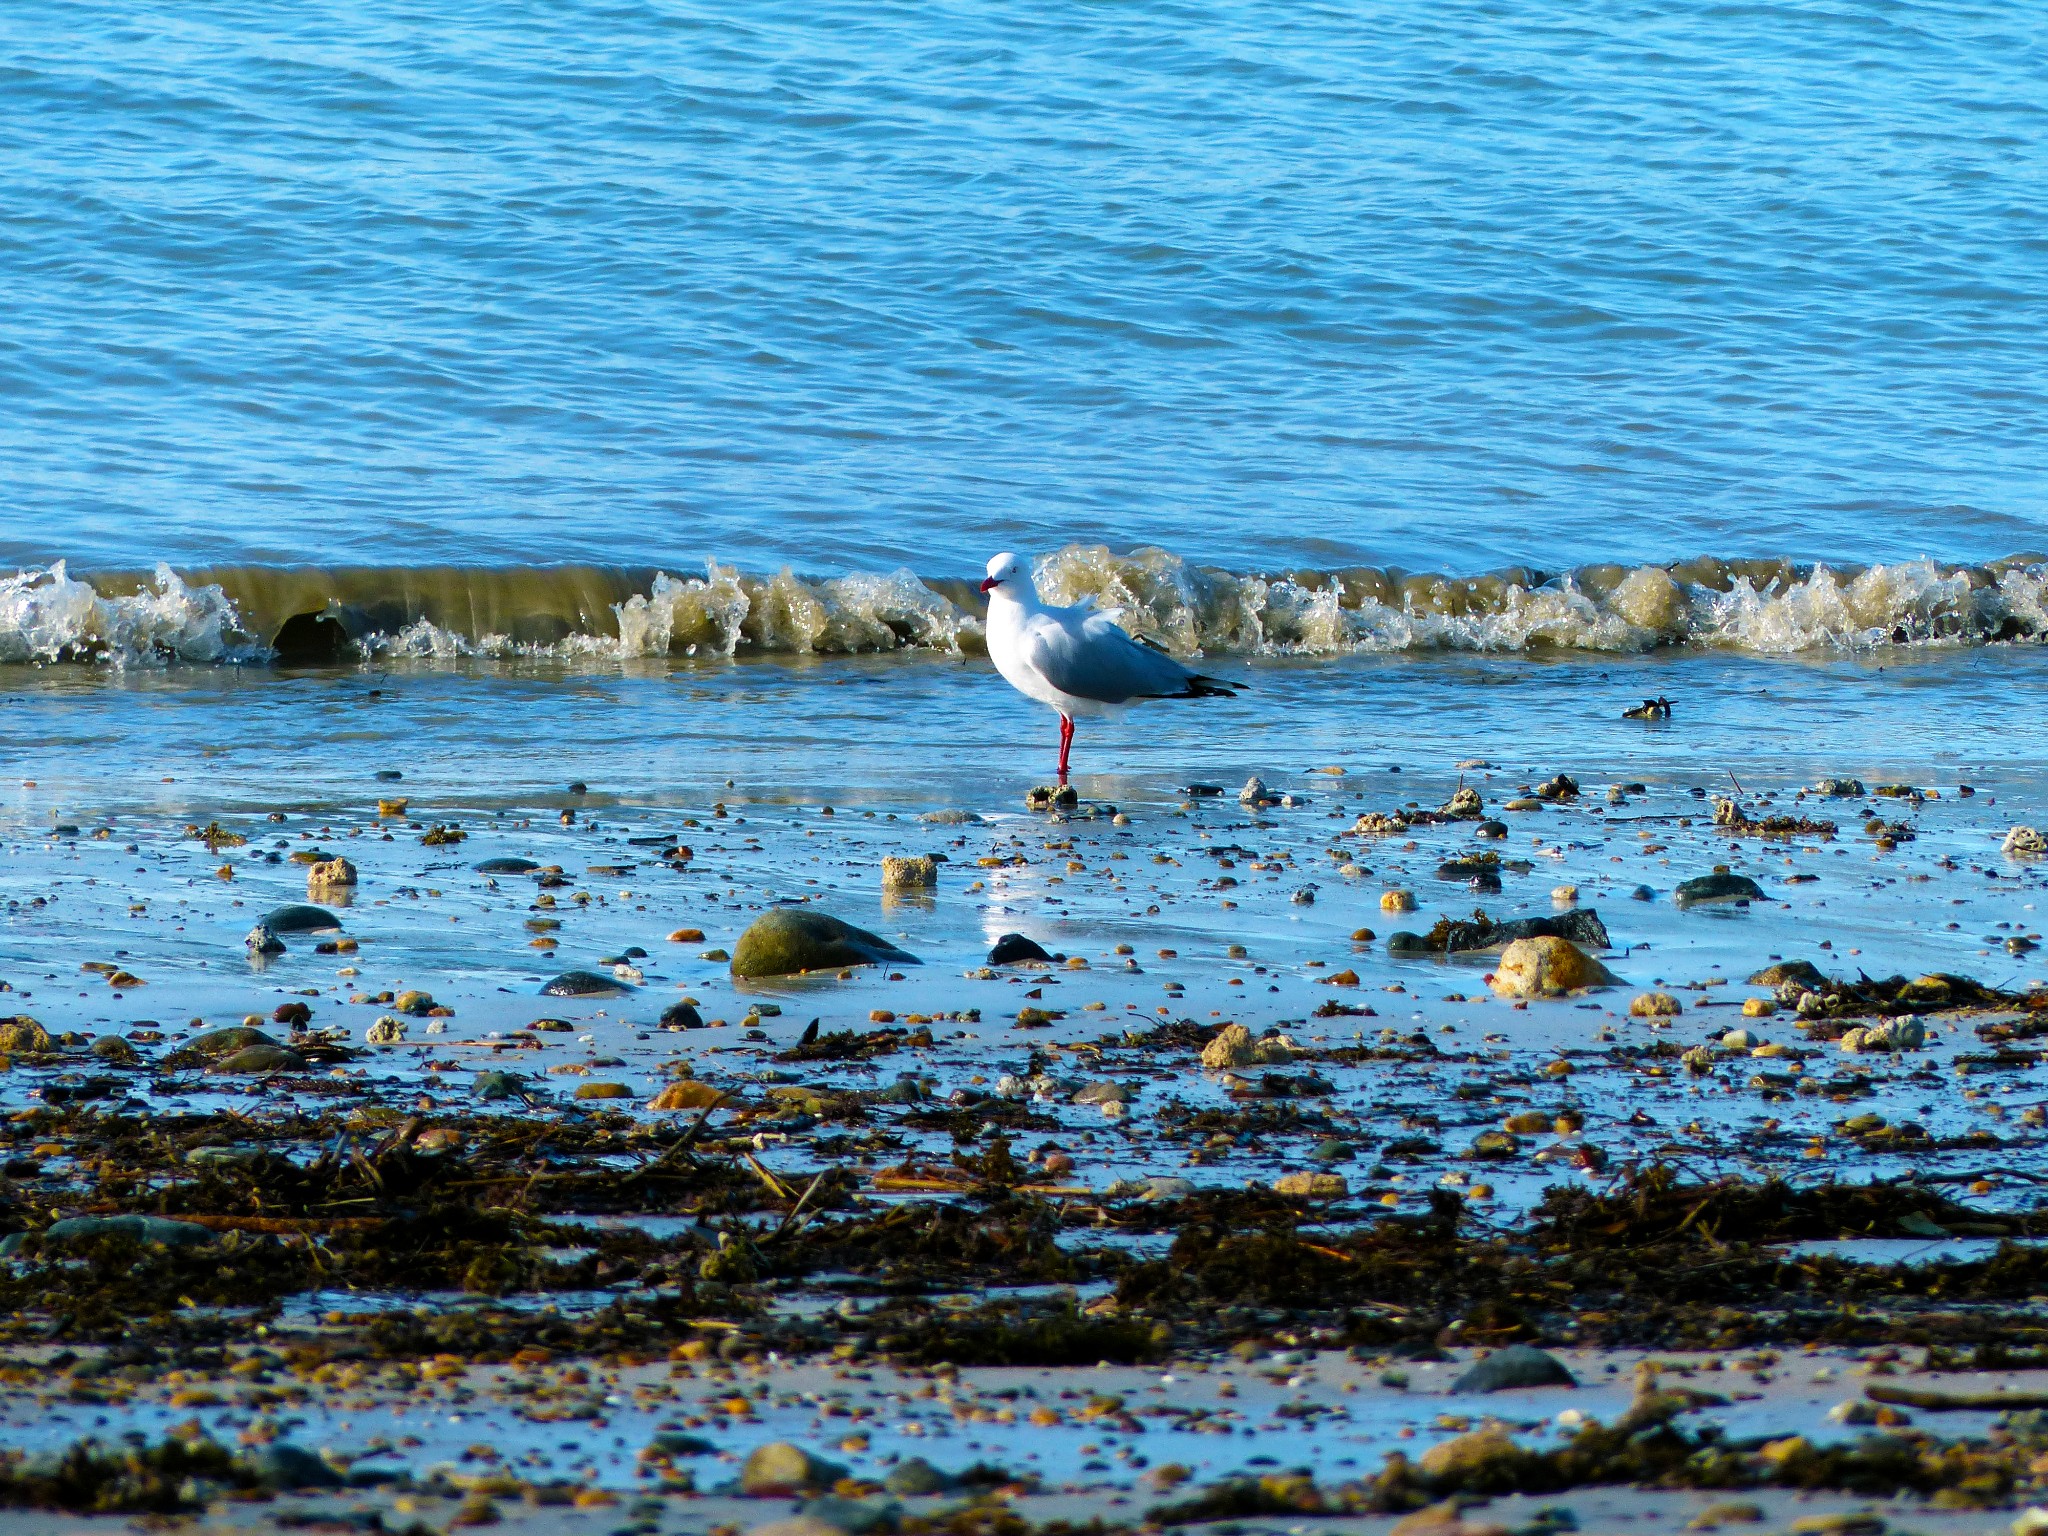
(1022, 1168)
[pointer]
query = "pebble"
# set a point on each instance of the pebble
(1312, 1186)
(1655, 1005)
(584, 984)
(1397, 901)
(779, 1469)
(1718, 886)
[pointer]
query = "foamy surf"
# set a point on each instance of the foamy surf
(300, 614)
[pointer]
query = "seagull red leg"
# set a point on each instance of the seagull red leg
(1066, 743)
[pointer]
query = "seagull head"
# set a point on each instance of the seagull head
(1004, 570)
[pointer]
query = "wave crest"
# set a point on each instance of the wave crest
(302, 614)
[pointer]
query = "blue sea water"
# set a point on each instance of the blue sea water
(1438, 286)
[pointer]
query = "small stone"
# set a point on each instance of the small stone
(1104, 1092)
(143, 1229)
(288, 1468)
(1256, 794)
(683, 1015)
(1717, 887)
(584, 984)
(1465, 805)
(1655, 1005)
(1739, 1040)
(1232, 1047)
(415, 1002)
(261, 941)
(1758, 1007)
(1016, 949)
(686, 1093)
(1548, 967)
(1312, 1186)
(1470, 1457)
(1804, 972)
(1397, 901)
(217, 1044)
(262, 1058)
(506, 867)
(386, 1031)
(113, 1050)
(1564, 894)
(603, 1091)
(916, 1478)
(300, 918)
(495, 1084)
(1519, 1365)
(1839, 789)
(1051, 797)
(2024, 843)
(920, 873)
(779, 1470)
(330, 874)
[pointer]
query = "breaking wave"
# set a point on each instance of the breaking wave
(291, 615)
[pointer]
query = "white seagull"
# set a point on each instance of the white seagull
(1076, 659)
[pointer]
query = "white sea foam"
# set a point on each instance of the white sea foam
(46, 615)
(1769, 608)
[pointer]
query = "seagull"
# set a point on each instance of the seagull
(1076, 659)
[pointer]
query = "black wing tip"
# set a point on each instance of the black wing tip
(1211, 688)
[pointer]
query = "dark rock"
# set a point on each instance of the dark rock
(584, 984)
(1519, 1365)
(298, 917)
(262, 1058)
(1563, 787)
(217, 1044)
(1718, 888)
(1582, 926)
(779, 1469)
(285, 1467)
(681, 1016)
(506, 867)
(1015, 949)
(916, 1478)
(675, 1443)
(262, 941)
(786, 940)
(1642, 893)
(144, 1229)
(1805, 972)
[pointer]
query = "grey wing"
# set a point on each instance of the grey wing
(1097, 660)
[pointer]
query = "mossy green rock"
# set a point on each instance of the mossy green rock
(792, 939)
(217, 1044)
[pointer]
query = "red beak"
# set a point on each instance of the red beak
(989, 585)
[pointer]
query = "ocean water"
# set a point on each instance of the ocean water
(861, 288)
(653, 381)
